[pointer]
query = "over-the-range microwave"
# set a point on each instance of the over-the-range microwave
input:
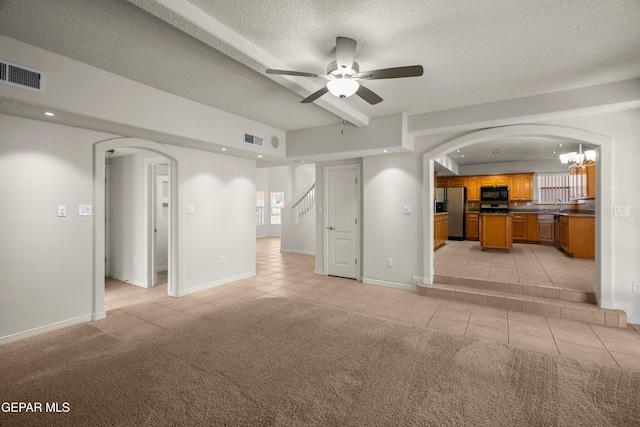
(494, 194)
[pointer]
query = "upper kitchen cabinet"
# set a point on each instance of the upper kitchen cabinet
(473, 189)
(582, 182)
(486, 181)
(521, 187)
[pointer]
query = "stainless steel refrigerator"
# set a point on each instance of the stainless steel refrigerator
(452, 200)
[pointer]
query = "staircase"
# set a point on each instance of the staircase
(299, 221)
(535, 299)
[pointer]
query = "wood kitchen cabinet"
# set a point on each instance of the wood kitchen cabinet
(443, 181)
(521, 187)
(496, 231)
(458, 181)
(546, 229)
(525, 228)
(440, 229)
(473, 189)
(577, 236)
(486, 181)
(472, 226)
(582, 182)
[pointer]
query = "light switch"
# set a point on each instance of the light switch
(408, 210)
(189, 209)
(62, 210)
(84, 210)
(621, 211)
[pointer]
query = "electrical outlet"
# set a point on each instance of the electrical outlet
(621, 211)
(408, 210)
(636, 287)
(389, 262)
(62, 210)
(223, 259)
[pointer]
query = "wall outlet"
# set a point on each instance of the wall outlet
(223, 259)
(408, 210)
(636, 287)
(389, 262)
(189, 209)
(62, 210)
(84, 210)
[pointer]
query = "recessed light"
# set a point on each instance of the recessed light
(554, 152)
(560, 145)
(457, 151)
(384, 151)
(224, 149)
(462, 155)
(49, 113)
(260, 156)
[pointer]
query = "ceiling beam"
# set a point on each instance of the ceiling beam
(598, 99)
(192, 20)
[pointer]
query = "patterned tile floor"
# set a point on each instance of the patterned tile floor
(527, 264)
(134, 312)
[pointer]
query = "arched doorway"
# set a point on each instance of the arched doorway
(173, 159)
(603, 280)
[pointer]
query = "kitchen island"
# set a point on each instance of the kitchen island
(496, 230)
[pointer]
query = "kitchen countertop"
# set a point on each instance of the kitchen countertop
(540, 212)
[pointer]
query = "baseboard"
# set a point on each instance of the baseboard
(320, 272)
(215, 283)
(298, 251)
(634, 320)
(129, 281)
(388, 284)
(627, 308)
(44, 329)
(99, 316)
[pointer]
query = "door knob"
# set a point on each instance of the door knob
(330, 228)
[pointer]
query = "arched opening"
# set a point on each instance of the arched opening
(169, 156)
(604, 144)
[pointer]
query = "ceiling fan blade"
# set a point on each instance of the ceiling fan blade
(292, 73)
(315, 95)
(368, 95)
(345, 52)
(392, 73)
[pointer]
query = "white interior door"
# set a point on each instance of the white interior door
(162, 223)
(342, 222)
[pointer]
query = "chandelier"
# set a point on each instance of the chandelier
(579, 159)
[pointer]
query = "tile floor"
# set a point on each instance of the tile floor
(527, 264)
(135, 312)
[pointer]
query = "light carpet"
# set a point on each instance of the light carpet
(275, 361)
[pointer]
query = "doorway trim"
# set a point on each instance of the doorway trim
(604, 215)
(325, 217)
(173, 158)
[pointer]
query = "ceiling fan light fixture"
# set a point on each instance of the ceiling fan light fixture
(343, 87)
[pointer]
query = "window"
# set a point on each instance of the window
(259, 207)
(552, 187)
(276, 202)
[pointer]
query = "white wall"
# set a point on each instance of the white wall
(222, 191)
(126, 217)
(46, 273)
(392, 182)
(624, 127)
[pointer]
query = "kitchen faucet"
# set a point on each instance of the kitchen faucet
(556, 204)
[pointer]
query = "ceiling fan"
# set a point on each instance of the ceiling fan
(344, 74)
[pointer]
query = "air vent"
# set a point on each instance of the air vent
(253, 139)
(19, 76)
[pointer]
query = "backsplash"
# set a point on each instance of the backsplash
(586, 206)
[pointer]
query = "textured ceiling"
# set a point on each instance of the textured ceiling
(472, 52)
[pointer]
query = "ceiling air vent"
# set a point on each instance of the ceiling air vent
(19, 76)
(253, 139)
